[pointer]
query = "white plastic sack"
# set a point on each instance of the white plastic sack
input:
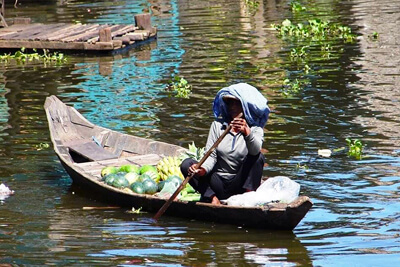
(278, 188)
(248, 199)
(168, 189)
(5, 192)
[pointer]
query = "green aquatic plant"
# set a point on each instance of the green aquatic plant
(306, 69)
(313, 33)
(314, 29)
(293, 87)
(135, 211)
(53, 57)
(298, 53)
(297, 7)
(22, 56)
(374, 36)
(355, 148)
(180, 87)
(301, 166)
(326, 50)
(252, 5)
(42, 146)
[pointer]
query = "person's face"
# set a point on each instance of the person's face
(234, 107)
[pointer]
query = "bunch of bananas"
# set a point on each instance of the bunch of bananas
(169, 166)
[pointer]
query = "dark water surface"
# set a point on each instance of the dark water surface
(351, 92)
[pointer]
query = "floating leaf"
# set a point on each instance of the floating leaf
(135, 211)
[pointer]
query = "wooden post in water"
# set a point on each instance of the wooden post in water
(105, 35)
(143, 21)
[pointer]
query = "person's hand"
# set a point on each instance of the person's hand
(240, 125)
(194, 171)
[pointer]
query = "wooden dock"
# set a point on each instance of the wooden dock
(76, 37)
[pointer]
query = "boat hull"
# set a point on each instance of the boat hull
(85, 174)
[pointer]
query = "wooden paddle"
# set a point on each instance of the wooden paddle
(183, 184)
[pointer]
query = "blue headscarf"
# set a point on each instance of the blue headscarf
(254, 104)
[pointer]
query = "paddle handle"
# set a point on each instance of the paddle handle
(183, 184)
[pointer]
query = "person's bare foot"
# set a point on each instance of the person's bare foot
(215, 201)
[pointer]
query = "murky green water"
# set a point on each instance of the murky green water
(352, 90)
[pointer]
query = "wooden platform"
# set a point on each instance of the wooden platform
(76, 37)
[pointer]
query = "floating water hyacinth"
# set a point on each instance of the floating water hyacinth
(315, 30)
(355, 148)
(180, 87)
(22, 56)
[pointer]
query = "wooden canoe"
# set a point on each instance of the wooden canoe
(84, 149)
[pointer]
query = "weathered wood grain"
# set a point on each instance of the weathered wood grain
(64, 36)
(59, 34)
(92, 151)
(76, 36)
(70, 36)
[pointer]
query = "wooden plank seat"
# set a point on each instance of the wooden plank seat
(92, 151)
(151, 159)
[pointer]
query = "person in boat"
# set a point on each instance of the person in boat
(236, 165)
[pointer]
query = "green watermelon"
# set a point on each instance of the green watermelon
(153, 175)
(108, 170)
(109, 178)
(150, 186)
(138, 187)
(146, 168)
(161, 185)
(132, 177)
(129, 168)
(120, 182)
(145, 176)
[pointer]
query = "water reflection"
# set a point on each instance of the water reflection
(352, 93)
(135, 239)
(122, 89)
(379, 75)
